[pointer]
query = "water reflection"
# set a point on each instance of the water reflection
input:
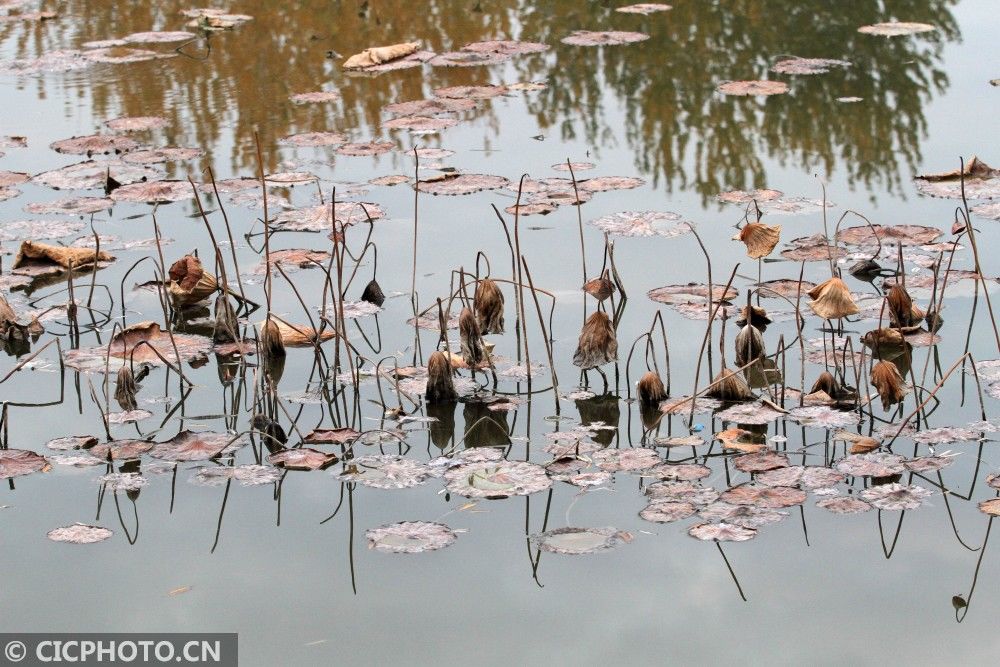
(683, 134)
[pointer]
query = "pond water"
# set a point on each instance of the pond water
(283, 557)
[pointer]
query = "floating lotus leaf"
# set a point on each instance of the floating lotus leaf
(155, 192)
(928, 463)
(628, 460)
(745, 516)
(844, 505)
(682, 491)
(302, 459)
(331, 436)
(316, 97)
(410, 537)
(145, 343)
(76, 460)
(500, 479)
(749, 413)
(896, 28)
(876, 464)
(796, 65)
(70, 206)
(290, 177)
(467, 59)
(764, 496)
(211, 19)
(94, 144)
(745, 88)
(721, 532)
(60, 60)
(246, 475)
(320, 218)
(644, 8)
(863, 235)
(470, 92)
(603, 38)
(691, 293)
(993, 480)
(79, 533)
(420, 123)
(17, 462)
(821, 416)
(991, 507)
(642, 223)
(587, 479)
(990, 211)
(72, 442)
(895, 497)
(193, 446)
(128, 416)
(786, 287)
(760, 461)
(543, 208)
(9, 178)
(366, 149)
(94, 174)
(164, 37)
(573, 166)
(508, 47)
(39, 229)
(415, 59)
(680, 441)
(429, 107)
(137, 123)
(945, 435)
(385, 471)
(121, 450)
(430, 153)
(741, 440)
(745, 197)
(461, 184)
(666, 511)
(579, 541)
(392, 179)
(687, 472)
(311, 139)
(123, 481)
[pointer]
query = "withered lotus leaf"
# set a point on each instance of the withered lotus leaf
(760, 462)
(33, 254)
(844, 505)
(991, 507)
(154, 192)
(886, 379)
(747, 88)
(497, 479)
(759, 238)
(895, 497)
(17, 462)
(740, 440)
(94, 143)
(796, 65)
(72, 442)
(137, 123)
(121, 450)
(189, 282)
(685, 491)
(461, 184)
(863, 235)
(924, 464)
(144, 342)
(578, 541)
(666, 511)
(642, 224)
(615, 460)
(193, 446)
(79, 533)
(410, 537)
(896, 28)
(510, 47)
(385, 471)
(644, 8)
(331, 436)
(721, 532)
(302, 459)
(603, 38)
(764, 496)
(246, 475)
(944, 435)
(691, 293)
(871, 465)
(685, 472)
(745, 516)
(380, 54)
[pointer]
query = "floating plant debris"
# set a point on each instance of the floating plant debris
(796, 65)
(302, 459)
(500, 479)
(643, 223)
(385, 471)
(721, 532)
(895, 497)
(752, 88)
(18, 462)
(667, 511)
(644, 8)
(410, 537)
(605, 38)
(246, 475)
(844, 505)
(896, 29)
(192, 446)
(764, 496)
(461, 184)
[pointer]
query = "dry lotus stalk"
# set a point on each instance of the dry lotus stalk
(598, 344)
(651, 390)
(832, 300)
(902, 311)
(290, 335)
(189, 282)
(728, 386)
(125, 388)
(32, 253)
(600, 288)
(380, 54)
(440, 385)
(473, 351)
(759, 238)
(489, 307)
(749, 345)
(887, 380)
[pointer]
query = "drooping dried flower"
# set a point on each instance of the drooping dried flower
(651, 390)
(728, 386)
(125, 388)
(473, 351)
(902, 311)
(749, 345)
(489, 306)
(886, 379)
(759, 238)
(600, 288)
(598, 344)
(189, 282)
(832, 300)
(440, 386)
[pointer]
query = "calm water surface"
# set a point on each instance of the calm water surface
(819, 588)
